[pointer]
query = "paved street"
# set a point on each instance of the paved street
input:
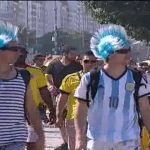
(53, 137)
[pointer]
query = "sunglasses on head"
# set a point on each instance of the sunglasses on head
(89, 61)
(12, 48)
(123, 51)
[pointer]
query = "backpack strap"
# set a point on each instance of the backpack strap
(26, 77)
(79, 76)
(93, 84)
(137, 75)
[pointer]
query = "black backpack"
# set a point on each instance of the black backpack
(26, 77)
(94, 81)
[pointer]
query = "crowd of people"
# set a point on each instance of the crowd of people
(99, 99)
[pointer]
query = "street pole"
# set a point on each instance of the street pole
(27, 24)
(148, 50)
(82, 26)
(55, 27)
(138, 53)
(16, 15)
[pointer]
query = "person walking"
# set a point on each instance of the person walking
(41, 97)
(67, 89)
(39, 60)
(16, 100)
(110, 98)
(58, 70)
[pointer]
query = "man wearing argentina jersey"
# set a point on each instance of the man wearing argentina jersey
(15, 98)
(112, 117)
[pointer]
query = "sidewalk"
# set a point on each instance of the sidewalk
(53, 137)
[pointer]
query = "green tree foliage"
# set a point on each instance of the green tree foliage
(25, 35)
(133, 15)
(72, 39)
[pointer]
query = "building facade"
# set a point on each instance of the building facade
(26, 13)
(37, 17)
(71, 17)
(41, 16)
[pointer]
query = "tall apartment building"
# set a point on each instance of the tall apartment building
(40, 15)
(7, 9)
(37, 15)
(71, 16)
(22, 13)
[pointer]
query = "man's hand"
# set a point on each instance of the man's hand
(54, 91)
(40, 145)
(52, 117)
(59, 122)
(80, 144)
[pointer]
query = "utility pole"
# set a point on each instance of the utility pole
(27, 23)
(82, 26)
(16, 6)
(138, 53)
(147, 49)
(16, 15)
(55, 28)
(45, 12)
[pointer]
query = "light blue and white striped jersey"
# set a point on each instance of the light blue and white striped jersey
(112, 116)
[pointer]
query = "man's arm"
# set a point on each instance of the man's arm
(81, 112)
(80, 118)
(51, 87)
(144, 104)
(145, 110)
(81, 124)
(49, 79)
(62, 101)
(33, 116)
(45, 94)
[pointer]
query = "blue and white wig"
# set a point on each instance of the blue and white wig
(8, 32)
(108, 39)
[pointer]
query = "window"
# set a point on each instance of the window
(33, 13)
(33, 19)
(34, 7)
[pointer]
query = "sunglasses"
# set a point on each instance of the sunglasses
(89, 61)
(123, 51)
(13, 48)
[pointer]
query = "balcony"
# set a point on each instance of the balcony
(15, 2)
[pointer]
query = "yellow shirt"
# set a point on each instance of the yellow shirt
(69, 85)
(145, 139)
(37, 81)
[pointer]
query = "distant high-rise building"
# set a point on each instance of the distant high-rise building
(37, 15)
(7, 10)
(40, 16)
(71, 16)
(21, 12)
